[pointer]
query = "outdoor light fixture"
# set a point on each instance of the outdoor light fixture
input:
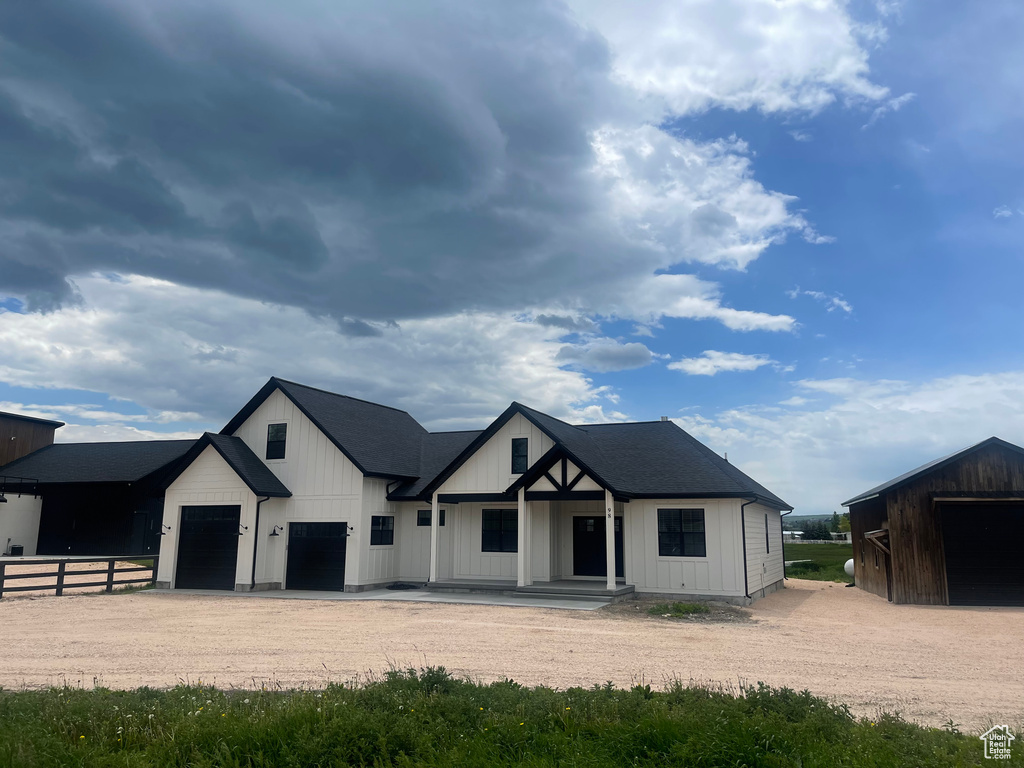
(275, 531)
(242, 529)
(163, 532)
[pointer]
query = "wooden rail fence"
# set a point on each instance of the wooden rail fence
(63, 572)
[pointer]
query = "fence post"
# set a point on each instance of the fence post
(60, 578)
(3, 568)
(110, 576)
(156, 562)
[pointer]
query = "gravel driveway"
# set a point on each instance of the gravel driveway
(932, 664)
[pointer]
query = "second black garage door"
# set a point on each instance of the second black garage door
(983, 553)
(207, 547)
(316, 556)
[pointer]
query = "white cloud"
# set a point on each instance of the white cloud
(802, 136)
(691, 201)
(866, 432)
(892, 105)
(605, 355)
(712, 362)
(1002, 212)
(740, 54)
(133, 333)
(832, 302)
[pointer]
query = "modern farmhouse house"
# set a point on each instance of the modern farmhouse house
(306, 489)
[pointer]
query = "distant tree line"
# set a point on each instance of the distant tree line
(822, 530)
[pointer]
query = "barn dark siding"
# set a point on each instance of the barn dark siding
(99, 519)
(869, 572)
(20, 436)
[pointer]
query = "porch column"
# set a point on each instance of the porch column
(521, 554)
(435, 522)
(609, 537)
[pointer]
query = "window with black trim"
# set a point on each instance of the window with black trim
(422, 517)
(681, 533)
(520, 455)
(382, 529)
(500, 530)
(276, 437)
(767, 539)
(440, 517)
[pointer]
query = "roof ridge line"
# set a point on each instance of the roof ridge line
(347, 397)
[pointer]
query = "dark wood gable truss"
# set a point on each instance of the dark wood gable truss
(554, 467)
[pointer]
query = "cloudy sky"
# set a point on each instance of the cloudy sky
(794, 226)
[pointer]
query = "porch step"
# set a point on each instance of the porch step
(562, 590)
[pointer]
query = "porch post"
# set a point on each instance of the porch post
(434, 532)
(609, 537)
(521, 554)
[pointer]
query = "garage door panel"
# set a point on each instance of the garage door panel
(316, 556)
(208, 547)
(982, 544)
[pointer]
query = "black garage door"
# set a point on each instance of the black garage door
(983, 553)
(316, 556)
(207, 548)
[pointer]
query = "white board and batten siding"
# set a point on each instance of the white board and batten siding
(720, 573)
(764, 556)
(489, 470)
(208, 480)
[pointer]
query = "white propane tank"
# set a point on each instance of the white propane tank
(849, 567)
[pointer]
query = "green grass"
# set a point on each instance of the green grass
(677, 610)
(827, 561)
(427, 717)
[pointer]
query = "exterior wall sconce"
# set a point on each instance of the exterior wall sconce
(276, 530)
(242, 529)
(162, 531)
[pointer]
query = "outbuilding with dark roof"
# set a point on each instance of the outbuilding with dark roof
(946, 533)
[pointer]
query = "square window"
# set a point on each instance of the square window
(500, 530)
(681, 533)
(276, 438)
(520, 455)
(423, 517)
(382, 530)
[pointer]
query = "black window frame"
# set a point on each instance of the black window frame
(382, 530)
(767, 538)
(421, 512)
(499, 530)
(521, 457)
(679, 535)
(279, 445)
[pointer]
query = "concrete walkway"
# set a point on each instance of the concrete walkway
(408, 596)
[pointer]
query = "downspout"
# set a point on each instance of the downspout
(743, 534)
(256, 541)
(782, 538)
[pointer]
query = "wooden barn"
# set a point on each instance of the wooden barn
(948, 533)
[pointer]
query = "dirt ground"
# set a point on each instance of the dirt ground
(933, 664)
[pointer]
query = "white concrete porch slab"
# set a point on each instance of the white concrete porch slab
(391, 596)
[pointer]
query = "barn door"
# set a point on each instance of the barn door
(982, 546)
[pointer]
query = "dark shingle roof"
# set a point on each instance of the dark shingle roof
(379, 440)
(438, 450)
(239, 456)
(931, 466)
(126, 462)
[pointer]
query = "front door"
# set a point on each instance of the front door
(588, 542)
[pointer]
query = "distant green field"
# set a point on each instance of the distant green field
(827, 561)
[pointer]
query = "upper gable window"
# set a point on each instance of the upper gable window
(520, 455)
(276, 438)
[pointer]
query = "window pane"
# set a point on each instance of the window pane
(520, 455)
(276, 438)
(423, 517)
(440, 517)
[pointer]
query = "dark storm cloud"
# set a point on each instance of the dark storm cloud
(577, 325)
(361, 160)
(606, 355)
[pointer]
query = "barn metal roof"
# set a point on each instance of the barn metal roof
(931, 466)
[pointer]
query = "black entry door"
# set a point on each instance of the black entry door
(316, 556)
(983, 561)
(208, 547)
(588, 555)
